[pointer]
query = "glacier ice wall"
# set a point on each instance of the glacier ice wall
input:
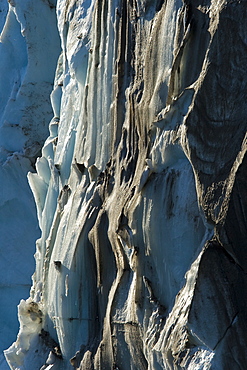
(141, 191)
(26, 81)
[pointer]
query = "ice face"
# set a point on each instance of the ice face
(137, 264)
(26, 80)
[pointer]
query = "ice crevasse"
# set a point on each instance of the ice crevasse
(140, 188)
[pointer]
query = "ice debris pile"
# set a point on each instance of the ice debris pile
(140, 191)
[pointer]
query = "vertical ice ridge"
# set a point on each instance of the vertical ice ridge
(139, 193)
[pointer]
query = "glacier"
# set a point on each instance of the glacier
(127, 119)
(26, 81)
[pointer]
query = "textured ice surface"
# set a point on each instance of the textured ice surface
(29, 48)
(140, 186)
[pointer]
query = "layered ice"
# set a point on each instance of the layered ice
(140, 199)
